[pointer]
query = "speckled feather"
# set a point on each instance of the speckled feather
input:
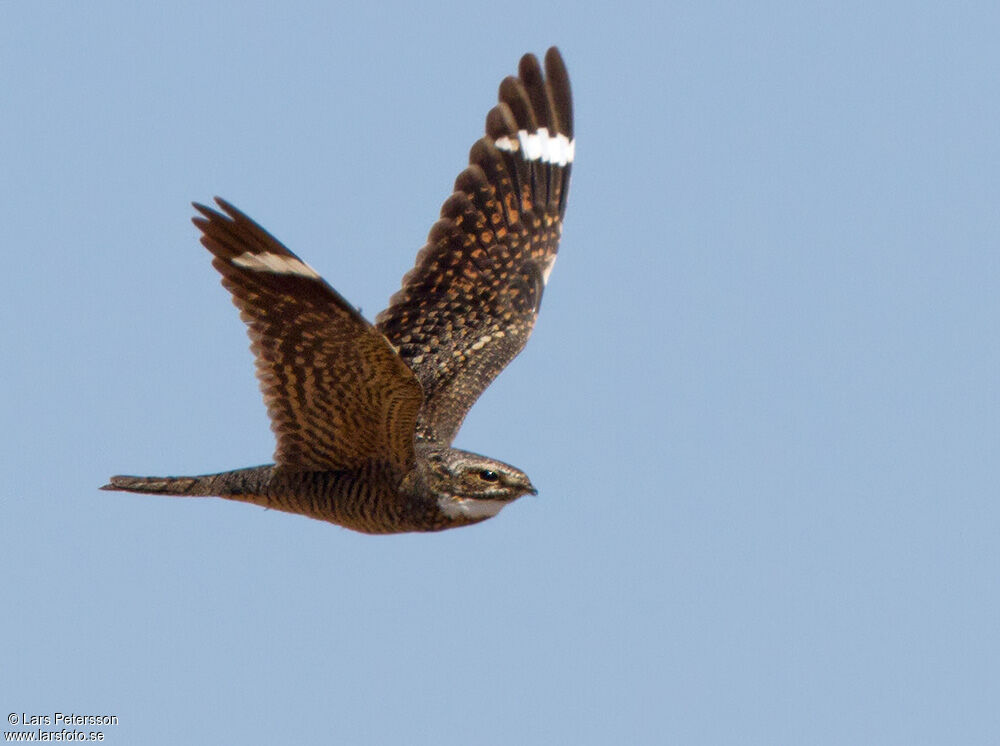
(337, 393)
(468, 306)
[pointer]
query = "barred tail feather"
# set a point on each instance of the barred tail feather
(190, 486)
(252, 480)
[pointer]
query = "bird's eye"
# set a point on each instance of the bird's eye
(488, 476)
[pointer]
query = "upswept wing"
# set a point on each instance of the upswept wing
(468, 306)
(337, 393)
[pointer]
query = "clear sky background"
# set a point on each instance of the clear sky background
(761, 403)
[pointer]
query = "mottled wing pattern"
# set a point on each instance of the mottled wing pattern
(337, 393)
(468, 306)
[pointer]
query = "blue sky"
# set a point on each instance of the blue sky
(761, 403)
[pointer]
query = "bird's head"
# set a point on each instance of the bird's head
(469, 486)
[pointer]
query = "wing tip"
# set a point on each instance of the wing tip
(557, 80)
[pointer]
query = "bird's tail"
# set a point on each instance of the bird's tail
(191, 486)
(243, 482)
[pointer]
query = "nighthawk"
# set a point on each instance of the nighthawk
(364, 415)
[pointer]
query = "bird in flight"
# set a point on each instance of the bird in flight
(364, 415)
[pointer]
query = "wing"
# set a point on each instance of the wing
(337, 393)
(468, 306)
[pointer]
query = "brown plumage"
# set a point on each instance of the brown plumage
(364, 415)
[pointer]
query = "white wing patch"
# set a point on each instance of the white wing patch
(277, 263)
(540, 146)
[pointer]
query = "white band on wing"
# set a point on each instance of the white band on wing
(278, 263)
(540, 146)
